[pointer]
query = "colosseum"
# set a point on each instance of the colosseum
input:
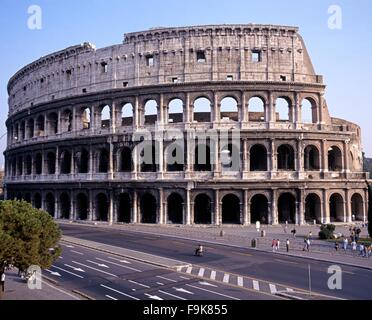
(210, 125)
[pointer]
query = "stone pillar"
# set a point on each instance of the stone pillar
(348, 207)
(274, 209)
(302, 207)
(111, 208)
(246, 156)
(91, 162)
(186, 109)
(217, 160)
(134, 217)
(161, 111)
(320, 109)
(72, 172)
(160, 219)
(300, 158)
(326, 214)
(93, 118)
(244, 109)
(74, 125)
(216, 218)
(216, 109)
(190, 141)
(270, 114)
(246, 209)
(56, 207)
(160, 144)
(187, 219)
(91, 206)
(72, 207)
(273, 162)
(344, 208)
(346, 156)
(324, 157)
(111, 160)
(136, 114)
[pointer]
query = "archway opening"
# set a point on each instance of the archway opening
(309, 111)
(259, 209)
(106, 117)
(86, 118)
(37, 200)
(229, 109)
(151, 112)
(148, 207)
(31, 128)
(231, 209)
(334, 159)
(65, 206)
(202, 209)
(313, 208)
(283, 110)
(286, 158)
(175, 209)
(258, 158)
(66, 121)
(287, 208)
(66, 162)
(336, 208)
(126, 164)
(256, 109)
(230, 157)
(124, 208)
(28, 165)
(311, 158)
(82, 161)
(40, 126)
(149, 157)
(175, 111)
(51, 163)
(202, 110)
(103, 161)
(175, 158)
(50, 204)
(127, 115)
(102, 206)
(82, 206)
(38, 164)
(357, 207)
(52, 123)
(202, 157)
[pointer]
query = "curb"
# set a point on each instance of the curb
(288, 296)
(83, 295)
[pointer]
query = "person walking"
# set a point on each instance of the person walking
(345, 244)
(287, 245)
(308, 244)
(337, 246)
(361, 249)
(294, 233)
(354, 246)
(277, 245)
(310, 237)
(273, 245)
(2, 282)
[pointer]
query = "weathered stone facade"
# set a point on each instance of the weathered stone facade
(73, 115)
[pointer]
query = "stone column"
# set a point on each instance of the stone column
(91, 206)
(161, 207)
(324, 155)
(186, 110)
(348, 207)
(270, 114)
(244, 109)
(91, 162)
(217, 160)
(326, 213)
(111, 161)
(93, 118)
(134, 217)
(300, 159)
(274, 209)
(302, 207)
(111, 208)
(74, 125)
(247, 209)
(136, 114)
(216, 218)
(216, 109)
(273, 162)
(160, 144)
(56, 207)
(246, 157)
(72, 172)
(346, 156)
(72, 207)
(187, 219)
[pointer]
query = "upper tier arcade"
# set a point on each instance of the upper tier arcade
(250, 52)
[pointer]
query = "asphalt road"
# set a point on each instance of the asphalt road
(277, 269)
(104, 276)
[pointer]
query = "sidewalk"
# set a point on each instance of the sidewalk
(16, 289)
(242, 237)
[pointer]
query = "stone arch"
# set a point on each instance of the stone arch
(283, 109)
(336, 208)
(148, 207)
(175, 208)
(37, 200)
(259, 209)
(229, 109)
(65, 206)
(202, 109)
(357, 207)
(258, 158)
(127, 114)
(175, 157)
(231, 212)
(287, 208)
(309, 110)
(286, 158)
(334, 159)
(230, 157)
(28, 197)
(103, 160)
(82, 161)
(28, 165)
(86, 118)
(38, 163)
(20, 165)
(313, 208)
(124, 208)
(106, 115)
(40, 126)
(82, 206)
(202, 209)
(151, 112)
(202, 157)
(66, 120)
(50, 204)
(101, 206)
(126, 163)
(66, 162)
(51, 163)
(175, 113)
(22, 130)
(256, 109)
(311, 158)
(31, 128)
(149, 157)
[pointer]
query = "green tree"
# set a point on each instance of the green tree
(27, 236)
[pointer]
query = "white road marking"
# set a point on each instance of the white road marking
(122, 293)
(53, 273)
(240, 282)
(112, 298)
(189, 269)
(60, 257)
(182, 290)
(204, 283)
(76, 275)
(122, 261)
(256, 285)
(213, 275)
(290, 290)
(185, 278)
(226, 278)
(179, 269)
(99, 264)
(153, 297)
(160, 277)
(119, 265)
(210, 291)
(84, 265)
(172, 295)
(272, 288)
(67, 246)
(74, 268)
(77, 252)
(201, 272)
(160, 284)
(139, 284)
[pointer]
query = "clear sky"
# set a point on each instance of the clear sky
(343, 55)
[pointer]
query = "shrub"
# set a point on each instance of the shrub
(327, 232)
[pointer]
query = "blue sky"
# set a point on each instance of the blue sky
(342, 56)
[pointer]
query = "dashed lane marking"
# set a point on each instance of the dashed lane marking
(77, 252)
(172, 295)
(226, 278)
(122, 293)
(74, 274)
(160, 284)
(256, 285)
(184, 278)
(240, 282)
(167, 279)
(139, 284)
(290, 290)
(112, 298)
(214, 292)
(201, 272)
(213, 275)
(119, 265)
(81, 264)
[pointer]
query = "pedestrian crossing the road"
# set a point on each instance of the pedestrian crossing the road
(235, 280)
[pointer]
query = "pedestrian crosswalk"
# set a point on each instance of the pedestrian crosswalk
(235, 280)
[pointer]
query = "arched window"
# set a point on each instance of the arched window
(357, 207)
(202, 209)
(102, 207)
(334, 159)
(37, 200)
(28, 165)
(51, 163)
(65, 205)
(66, 121)
(148, 207)
(286, 158)
(175, 114)
(30, 128)
(287, 208)
(202, 157)
(65, 162)
(175, 209)
(40, 126)
(50, 204)
(283, 110)
(230, 157)
(38, 164)
(82, 161)
(311, 158)
(127, 115)
(52, 123)
(229, 109)
(151, 112)
(202, 110)
(126, 164)
(313, 208)
(259, 209)
(106, 117)
(309, 111)
(336, 208)
(175, 158)
(86, 118)
(148, 157)
(258, 158)
(256, 109)
(23, 131)
(82, 206)
(231, 209)
(103, 161)
(124, 208)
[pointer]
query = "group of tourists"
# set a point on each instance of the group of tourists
(275, 244)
